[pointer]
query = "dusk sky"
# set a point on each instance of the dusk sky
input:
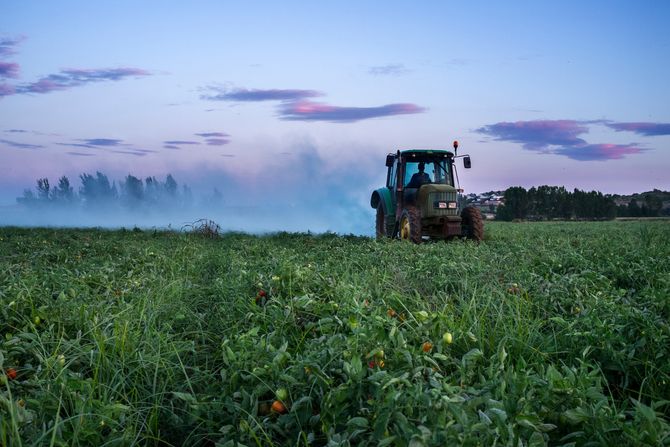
(302, 97)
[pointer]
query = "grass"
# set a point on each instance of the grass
(560, 335)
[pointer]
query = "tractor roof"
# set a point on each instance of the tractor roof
(427, 153)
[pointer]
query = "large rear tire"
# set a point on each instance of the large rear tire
(410, 225)
(472, 224)
(380, 223)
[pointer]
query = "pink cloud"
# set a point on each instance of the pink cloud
(9, 70)
(315, 111)
(538, 134)
(558, 137)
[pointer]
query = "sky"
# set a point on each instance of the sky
(296, 103)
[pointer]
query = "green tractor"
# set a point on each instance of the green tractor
(420, 199)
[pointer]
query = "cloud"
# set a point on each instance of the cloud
(9, 70)
(599, 152)
(135, 152)
(16, 131)
(242, 94)
(215, 138)
(645, 129)
(388, 70)
(538, 135)
(314, 111)
(171, 146)
(217, 141)
(18, 145)
(6, 90)
(80, 154)
(95, 143)
(75, 77)
(8, 44)
(102, 142)
(180, 142)
(212, 134)
(87, 146)
(558, 137)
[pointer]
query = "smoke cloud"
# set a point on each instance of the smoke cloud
(297, 191)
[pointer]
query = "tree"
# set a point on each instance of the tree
(97, 191)
(132, 191)
(152, 190)
(516, 200)
(634, 209)
(170, 186)
(28, 198)
(63, 192)
(653, 204)
(43, 190)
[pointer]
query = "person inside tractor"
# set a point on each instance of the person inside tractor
(419, 178)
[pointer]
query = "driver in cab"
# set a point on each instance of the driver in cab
(419, 178)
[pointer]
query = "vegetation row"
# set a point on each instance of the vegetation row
(543, 334)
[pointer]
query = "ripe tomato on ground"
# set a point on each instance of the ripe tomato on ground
(279, 407)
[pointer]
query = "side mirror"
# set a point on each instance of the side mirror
(390, 158)
(466, 162)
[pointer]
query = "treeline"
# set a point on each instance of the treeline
(98, 193)
(649, 206)
(555, 202)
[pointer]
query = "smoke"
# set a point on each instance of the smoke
(298, 191)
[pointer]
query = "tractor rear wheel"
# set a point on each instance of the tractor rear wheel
(380, 223)
(472, 224)
(410, 225)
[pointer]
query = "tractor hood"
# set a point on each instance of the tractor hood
(434, 188)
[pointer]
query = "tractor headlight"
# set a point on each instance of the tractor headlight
(443, 205)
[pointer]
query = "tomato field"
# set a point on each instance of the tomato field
(543, 334)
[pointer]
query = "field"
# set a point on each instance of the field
(544, 334)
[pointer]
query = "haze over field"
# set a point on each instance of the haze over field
(289, 108)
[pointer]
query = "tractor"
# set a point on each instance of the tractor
(420, 199)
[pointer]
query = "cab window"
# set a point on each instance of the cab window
(392, 174)
(437, 171)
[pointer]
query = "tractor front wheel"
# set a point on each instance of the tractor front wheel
(472, 223)
(410, 225)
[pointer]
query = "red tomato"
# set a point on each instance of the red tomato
(278, 407)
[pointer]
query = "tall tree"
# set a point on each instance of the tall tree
(132, 191)
(170, 186)
(63, 192)
(43, 189)
(516, 200)
(96, 191)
